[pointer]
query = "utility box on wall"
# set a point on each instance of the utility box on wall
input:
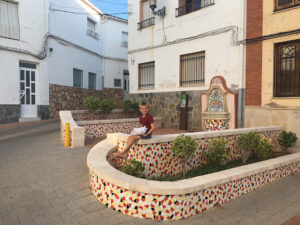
(183, 111)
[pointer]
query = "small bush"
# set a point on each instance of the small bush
(107, 105)
(248, 143)
(92, 104)
(133, 168)
(287, 139)
(217, 152)
(265, 149)
(130, 106)
(183, 148)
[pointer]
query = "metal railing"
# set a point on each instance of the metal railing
(146, 23)
(195, 6)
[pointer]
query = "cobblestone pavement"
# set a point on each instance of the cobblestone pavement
(43, 183)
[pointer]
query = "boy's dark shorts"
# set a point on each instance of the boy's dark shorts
(147, 137)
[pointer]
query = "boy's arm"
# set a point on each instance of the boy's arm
(152, 129)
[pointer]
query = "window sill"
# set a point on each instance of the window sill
(15, 39)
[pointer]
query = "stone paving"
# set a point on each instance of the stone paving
(43, 183)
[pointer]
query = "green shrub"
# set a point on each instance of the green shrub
(287, 139)
(133, 168)
(248, 143)
(217, 152)
(265, 149)
(107, 105)
(130, 106)
(92, 104)
(183, 148)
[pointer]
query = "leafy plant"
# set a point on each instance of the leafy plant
(217, 152)
(133, 168)
(92, 104)
(248, 143)
(183, 148)
(130, 106)
(265, 149)
(107, 105)
(287, 139)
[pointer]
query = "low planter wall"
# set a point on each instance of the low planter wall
(180, 199)
(81, 131)
(158, 160)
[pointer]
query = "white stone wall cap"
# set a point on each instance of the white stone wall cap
(113, 121)
(66, 117)
(199, 135)
(85, 111)
(96, 161)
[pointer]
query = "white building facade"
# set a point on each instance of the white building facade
(52, 56)
(181, 52)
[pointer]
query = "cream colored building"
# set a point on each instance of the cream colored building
(280, 76)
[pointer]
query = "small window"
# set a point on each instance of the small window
(9, 20)
(283, 4)
(146, 75)
(117, 82)
(91, 25)
(77, 78)
(124, 39)
(126, 72)
(287, 72)
(192, 69)
(92, 81)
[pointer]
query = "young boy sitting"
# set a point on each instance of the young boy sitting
(145, 120)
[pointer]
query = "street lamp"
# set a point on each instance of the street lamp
(161, 12)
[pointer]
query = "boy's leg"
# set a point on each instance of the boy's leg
(130, 142)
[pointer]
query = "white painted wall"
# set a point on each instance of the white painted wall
(221, 57)
(33, 21)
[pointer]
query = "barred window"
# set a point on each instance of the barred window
(117, 82)
(146, 16)
(192, 69)
(283, 4)
(92, 81)
(77, 78)
(9, 20)
(287, 72)
(146, 75)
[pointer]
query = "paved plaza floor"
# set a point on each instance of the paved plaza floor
(41, 182)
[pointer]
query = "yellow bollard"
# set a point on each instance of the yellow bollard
(67, 134)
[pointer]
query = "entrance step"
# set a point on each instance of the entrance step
(29, 119)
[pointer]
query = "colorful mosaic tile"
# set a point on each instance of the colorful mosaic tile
(175, 207)
(214, 125)
(158, 160)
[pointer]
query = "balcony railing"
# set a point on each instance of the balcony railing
(196, 5)
(146, 23)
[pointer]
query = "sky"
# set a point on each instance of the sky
(113, 7)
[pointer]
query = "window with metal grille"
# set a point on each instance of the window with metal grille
(192, 69)
(188, 6)
(92, 81)
(9, 20)
(77, 78)
(287, 70)
(117, 82)
(283, 4)
(146, 75)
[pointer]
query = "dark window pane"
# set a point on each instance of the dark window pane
(32, 76)
(22, 86)
(27, 79)
(27, 65)
(282, 3)
(92, 81)
(22, 77)
(117, 82)
(33, 99)
(126, 72)
(23, 100)
(32, 87)
(77, 78)
(125, 85)
(27, 96)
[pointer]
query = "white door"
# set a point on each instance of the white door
(28, 91)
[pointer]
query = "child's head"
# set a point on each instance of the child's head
(144, 108)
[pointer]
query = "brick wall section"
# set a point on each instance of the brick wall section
(71, 98)
(254, 52)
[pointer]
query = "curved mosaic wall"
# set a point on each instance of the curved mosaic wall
(158, 160)
(175, 207)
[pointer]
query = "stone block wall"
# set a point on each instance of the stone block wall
(9, 113)
(167, 106)
(44, 112)
(71, 98)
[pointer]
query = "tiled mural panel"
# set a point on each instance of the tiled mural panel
(175, 207)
